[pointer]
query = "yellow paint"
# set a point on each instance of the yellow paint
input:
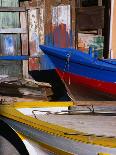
(50, 148)
(21, 136)
(42, 104)
(103, 153)
(53, 149)
(12, 113)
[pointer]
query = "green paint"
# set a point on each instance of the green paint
(98, 43)
(10, 20)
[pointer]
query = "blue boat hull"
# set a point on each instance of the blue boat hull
(85, 77)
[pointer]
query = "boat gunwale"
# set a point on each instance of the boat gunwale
(12, 113)
(93, 64)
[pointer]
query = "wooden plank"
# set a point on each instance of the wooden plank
(32, 7)
(24, 41)
(25, 69)
(13, 30)
(33, 32)
(90, 17)
(16, 9)
(10, 43)
(107, 26)
(10, 68)
(12, 9)
(99, 4)
(33, 39)
(24, 37)
(79, 3)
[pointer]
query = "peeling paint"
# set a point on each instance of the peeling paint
(36, 36)
(33, 64)
(60, 32)
(36, 31)
(9, 45)
(60, 35)
(90, 40)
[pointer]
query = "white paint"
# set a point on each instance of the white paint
(34, 148)
(28, 111)
(33, 26)
(61, 15)
(41, 25)
(111, 23)
(36, 30)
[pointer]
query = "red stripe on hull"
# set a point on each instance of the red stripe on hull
(83, 88)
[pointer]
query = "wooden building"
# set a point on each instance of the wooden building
(63, 23)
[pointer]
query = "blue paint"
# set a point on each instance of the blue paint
(45, 63)
(71, 38)
(49, 39)
(9, 45)
(58, 36)
(96, 54)
(14, 57)
(81, 63)
(90, 51)
(36, 40)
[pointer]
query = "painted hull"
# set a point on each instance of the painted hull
(47, 128)
(85, 77)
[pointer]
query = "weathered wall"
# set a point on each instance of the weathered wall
(91, 40)
(9, 43)
(38, 25)
(60, 35)
(49, 5)
(36, 30)
(47, 21)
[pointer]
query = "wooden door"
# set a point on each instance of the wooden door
(10, 43)
(89, 25)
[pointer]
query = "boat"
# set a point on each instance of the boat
(85, 76)
(48, 128)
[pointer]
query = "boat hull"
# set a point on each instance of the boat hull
(82, 88)
(85, 77)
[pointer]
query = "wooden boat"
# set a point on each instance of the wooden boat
(51, 128)
(85, 76)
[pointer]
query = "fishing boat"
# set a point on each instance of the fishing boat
(85, 76)
(49, 128)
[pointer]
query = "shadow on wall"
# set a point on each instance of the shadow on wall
(51, 77)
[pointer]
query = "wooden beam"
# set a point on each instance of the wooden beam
(12, 9)
(32, 7)
(24, 37)
(24, 43)
(79, 3)
(99, 4)
(13, 31)
(16, 9)
(25, 69)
